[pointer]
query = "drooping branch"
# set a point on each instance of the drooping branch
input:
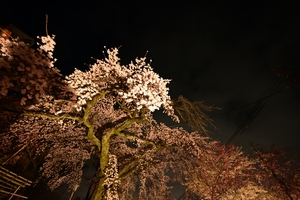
(193, 114)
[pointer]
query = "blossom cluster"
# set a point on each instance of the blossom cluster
(112, 178)
(84, 86)
(70, 161)
(146, 88)
(64, 147)
(27, 71)
(47, 46)
(136, 84)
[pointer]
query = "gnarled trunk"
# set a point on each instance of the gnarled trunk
(99, 192)
(96, 189)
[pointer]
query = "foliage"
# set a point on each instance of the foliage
(106, 113)
(279, 173)
(226, 170)
(70, 119)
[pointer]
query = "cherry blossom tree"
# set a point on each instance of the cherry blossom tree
(78, 116)
(279, 173)
(225, 171)
(27, 75)
(105, 113)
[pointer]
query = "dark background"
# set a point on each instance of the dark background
(221, 52)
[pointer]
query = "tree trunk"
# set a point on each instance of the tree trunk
(96, 189)
(99, 192)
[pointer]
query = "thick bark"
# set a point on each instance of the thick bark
(96, 189)
(95, 180)
(99, 192)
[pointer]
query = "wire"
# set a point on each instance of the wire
(256, 109)
(249, 104)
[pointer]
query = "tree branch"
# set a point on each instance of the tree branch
(91, 129)
(48, 116)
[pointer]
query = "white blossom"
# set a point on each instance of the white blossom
(112, 178)
(137, 84)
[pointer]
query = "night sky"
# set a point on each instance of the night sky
(220, 52)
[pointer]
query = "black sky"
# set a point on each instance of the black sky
(221, 52)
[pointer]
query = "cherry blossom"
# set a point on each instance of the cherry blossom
(28, 73)
(105, 114)
(137, 85)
